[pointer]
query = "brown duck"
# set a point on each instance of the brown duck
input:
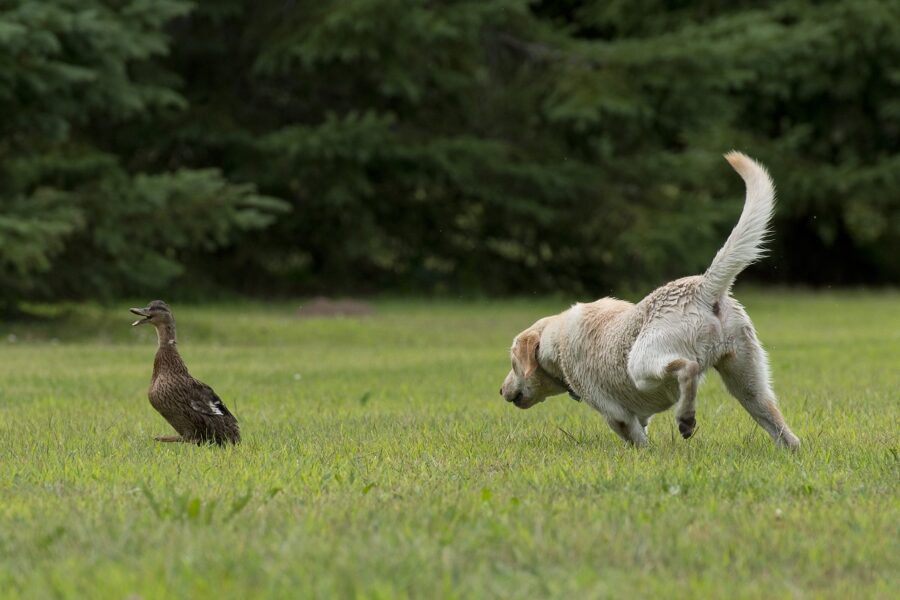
(190, 406)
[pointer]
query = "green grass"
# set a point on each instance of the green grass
(379, 461)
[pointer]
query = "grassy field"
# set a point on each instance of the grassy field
(379, 461)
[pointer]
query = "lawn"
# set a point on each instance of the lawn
(379, 461)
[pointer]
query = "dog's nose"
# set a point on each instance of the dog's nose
(501, 391)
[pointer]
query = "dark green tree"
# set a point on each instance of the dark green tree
(431, 146)
(514, 146)
(811, 88)
(507, 146)
(77, 216)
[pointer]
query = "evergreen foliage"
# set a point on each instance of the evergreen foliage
(80, 216)
(506, 146)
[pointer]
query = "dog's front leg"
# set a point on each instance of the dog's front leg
(628, 428)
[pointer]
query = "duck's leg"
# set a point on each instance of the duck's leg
(169, 438)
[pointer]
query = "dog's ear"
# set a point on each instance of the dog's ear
(525, 351)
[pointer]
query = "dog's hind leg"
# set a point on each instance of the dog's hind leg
(688, 374)
(648, 373)
(746, 375)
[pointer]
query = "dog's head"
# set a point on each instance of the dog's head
(527, 382)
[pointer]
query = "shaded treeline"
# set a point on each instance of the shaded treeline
(498, 147)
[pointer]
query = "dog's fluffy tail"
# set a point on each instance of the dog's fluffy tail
(744, 245)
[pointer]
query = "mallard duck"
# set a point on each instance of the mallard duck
(190, 406)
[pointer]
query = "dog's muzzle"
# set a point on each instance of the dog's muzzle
(515, 400)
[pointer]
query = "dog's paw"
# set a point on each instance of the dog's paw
(686, 426)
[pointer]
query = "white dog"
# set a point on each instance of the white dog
(631, 361)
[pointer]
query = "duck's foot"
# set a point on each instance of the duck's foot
(168, 438)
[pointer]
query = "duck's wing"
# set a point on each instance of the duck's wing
(204, 400)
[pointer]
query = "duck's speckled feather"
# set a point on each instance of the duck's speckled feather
(189, 405)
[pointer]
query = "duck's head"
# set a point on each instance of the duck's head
(157, 313)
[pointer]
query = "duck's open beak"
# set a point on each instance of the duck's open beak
(141, 312)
